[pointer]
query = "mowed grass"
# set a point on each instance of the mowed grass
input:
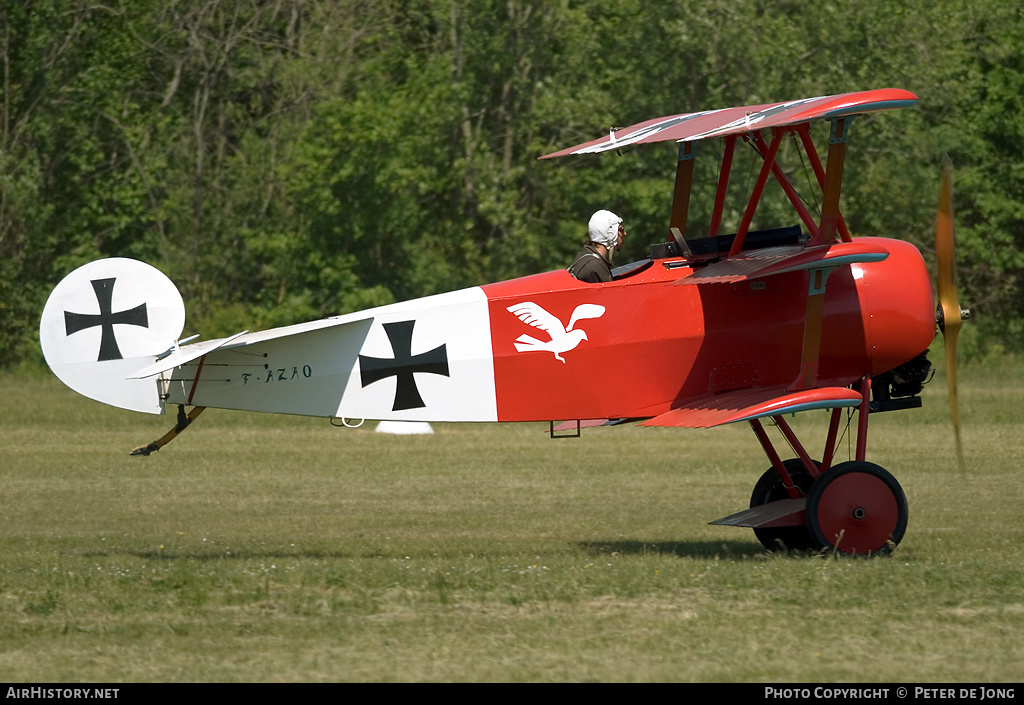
(267, 548)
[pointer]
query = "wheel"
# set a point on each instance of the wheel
(856, 508)
(770, 488)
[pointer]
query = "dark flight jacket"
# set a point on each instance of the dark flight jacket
(590, 266)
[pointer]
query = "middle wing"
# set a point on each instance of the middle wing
(781, 260)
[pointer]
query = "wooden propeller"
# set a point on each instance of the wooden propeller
(949, 316)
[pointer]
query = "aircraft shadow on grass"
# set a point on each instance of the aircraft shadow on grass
(738, 550)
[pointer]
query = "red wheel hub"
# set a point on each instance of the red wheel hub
(858, 513)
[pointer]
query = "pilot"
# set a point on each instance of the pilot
(594, 263)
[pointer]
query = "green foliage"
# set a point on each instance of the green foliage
(289, 160)
(990, 186)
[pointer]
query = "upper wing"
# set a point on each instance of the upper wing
(747, 404)
(689, 127)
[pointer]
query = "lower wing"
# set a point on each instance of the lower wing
(747, 404)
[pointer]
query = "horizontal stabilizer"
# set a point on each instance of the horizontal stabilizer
(188, 353)
(183, 355)
(781, 260)
(747, 404)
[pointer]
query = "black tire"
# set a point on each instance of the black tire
(769, 488)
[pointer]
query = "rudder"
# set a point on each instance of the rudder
(107, 320)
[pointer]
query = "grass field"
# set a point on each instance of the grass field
(264, 548)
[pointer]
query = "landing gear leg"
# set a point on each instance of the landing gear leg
(183, 422)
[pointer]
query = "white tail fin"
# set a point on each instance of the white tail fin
(104, 322)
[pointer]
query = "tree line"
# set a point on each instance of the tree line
(283, 160)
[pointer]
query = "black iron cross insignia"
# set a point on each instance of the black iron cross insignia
(106, 318)
(404, 365)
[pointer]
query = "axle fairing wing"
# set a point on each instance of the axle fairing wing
(689, 127)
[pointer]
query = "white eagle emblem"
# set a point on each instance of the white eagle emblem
(563, 338)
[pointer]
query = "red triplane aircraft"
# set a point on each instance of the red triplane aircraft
(709, 330)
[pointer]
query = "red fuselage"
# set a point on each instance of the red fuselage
(659, 343)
